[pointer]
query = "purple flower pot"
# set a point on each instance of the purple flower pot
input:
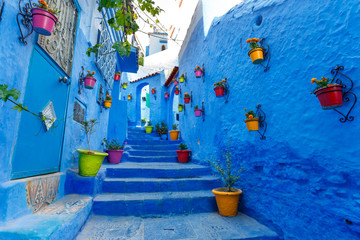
(43, 21)
(90, 82)
(197, 112)
(198, 73)
(114, 156)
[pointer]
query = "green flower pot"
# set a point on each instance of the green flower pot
(148, 129)
(89, 164)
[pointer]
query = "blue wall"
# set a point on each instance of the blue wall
(303, 179)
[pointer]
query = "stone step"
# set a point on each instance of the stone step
(60, 220)
(151, 142)
(152, 153)
(152, 147)
(137, 185)
(154, 204)
(158, 170)
(144, 159)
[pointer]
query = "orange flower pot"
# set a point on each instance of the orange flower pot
(174, 135)
(107, 104)
(256, 55)
(227, 202)
(252, 124)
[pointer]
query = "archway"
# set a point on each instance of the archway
(142, 102)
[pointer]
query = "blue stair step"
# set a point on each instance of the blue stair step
(159, 170)
(151, 142)
(145, 159)
(152, 153)
(60, 220)
(137, 185)
(152, 147)
(154, 204)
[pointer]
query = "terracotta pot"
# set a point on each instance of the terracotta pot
(107, 103)
(256, 55)
(183, 155)
(252, 124)
(117, 77)
(227, 202)
(197, 112)
(89, 82)
(43, 21)
(187, 100)
(330, 97)
(219, 91)
(174, 135)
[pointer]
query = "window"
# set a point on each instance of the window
(79, 112)
(163, 47)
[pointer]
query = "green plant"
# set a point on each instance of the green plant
(175, 127)
(141, 61)
(118, 73)
(112, 145)
(221, 83)
(88, 128)
(108, 98)
(186, 95)
(228, 176)
(143, 120)
(253, 43)
(198, 68)
(90, 74)
(196, 107)
(161, 128)
(149, 123)
(180, 105)
(174, 80)
(250, 114)
(42, 4)
(324, 82)
(182, 146)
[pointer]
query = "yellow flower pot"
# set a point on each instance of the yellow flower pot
(252, 124)
(107, 104)
(227, 202)
(256, 55)
(174, 135)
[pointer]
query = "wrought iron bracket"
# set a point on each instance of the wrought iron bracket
(81, 80)
(267, 54)
(203, 111)
(26, 21)
(185, 79)
(191, 99)
(2, 5)
(155, 95)
(184, 108)
(203, 73)
(262, 123)
(347, 94)
(226, 91)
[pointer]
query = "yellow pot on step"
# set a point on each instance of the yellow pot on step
(227, 202)
(256, 55)
(174, 135)
(252, 124)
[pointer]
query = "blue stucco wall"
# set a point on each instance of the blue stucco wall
(303, 179)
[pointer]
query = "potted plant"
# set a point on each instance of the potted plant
(90, 80)
(252, 122)
(162, 130)
(177, 91)
(153, 90)
(129, 96)
(43, 18)
(174, 134)
(227, 197)
(124, 85)
(175, 81)
(114, 149)
(197, 111)
(143, 122)
(166, 95)
(180, 107)
(89, 160)
(108, 101)
(182, 78)
(183, 154)
(219, 88)
(117, 76)
(149, 127)
(256, 52)
(187, 98)
(329, 94)
(198, 72)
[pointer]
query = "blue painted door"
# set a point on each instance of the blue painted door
(37, 150)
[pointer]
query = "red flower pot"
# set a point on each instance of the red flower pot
(114, 156)
(177, 92)
(219, 91)
(330, 97)
(187, 100)
(153, 91)
(43, 21)
(90, 82)
(117, 77)
(183, 155)
(197, 112)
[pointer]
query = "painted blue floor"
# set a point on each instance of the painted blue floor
(203, 226)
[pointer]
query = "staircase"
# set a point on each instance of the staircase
(150, 182)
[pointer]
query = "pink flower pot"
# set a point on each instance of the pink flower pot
(43, 21)
(176, 83)
(90, 82)
(198, 73)
(166, 95)
(197, 112)
(114, 156)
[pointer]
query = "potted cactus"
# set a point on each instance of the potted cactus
(197, 111)
(183, 154)
(219, 88)
(227, 197)
(108, 101)
(180, 107)
(177, 91)
(117, 76)
(187, 98)
(89, 160)
(162, 130)
(153, 90)
(124, 85)
(182, 78)
(252, 122)
(329, 94)
(90, 80)
(114, 149)
(148, 127)
(43, 18)
(256, 52)
(174, 134)
(198, 72)
(175, 81)
(166, 95)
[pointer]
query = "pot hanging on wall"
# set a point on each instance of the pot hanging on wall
(43, 21)
(107, 104)
(256, 55)
(219, 91)
(89, 82)
(330, 97)
(117, 77)
(177, 91)
(186, 99)
(180, 107)
(197, 112)
(198, 73)
(182, 78)
(166, 95)
(252, 124)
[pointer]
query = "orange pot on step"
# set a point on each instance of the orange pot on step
(174, 135)
(227, 202)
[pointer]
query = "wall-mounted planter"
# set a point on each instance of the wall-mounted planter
(166, 95)
(198, 73)
(89, 82)
(43, 21)
(117, 77)
(129, 97)
(148, 129)
(176, 82)
(219, 91)
(180, 107)
(187, 99)
(124, 85)
(252, 124)
(197, 112)
(153, 90)
(107, 104)
(114, 156)
(177, 91)
(256, 55)
(183, 156)
(256, 121)
(182, 78)
(259, 52)
(330, 97)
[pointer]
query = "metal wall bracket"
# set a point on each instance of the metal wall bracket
(267, 54)
(81, 80)
(203, 73)
(262, 123)
(26, 21)
(203, 111)
(338, 76)
(2, 5)
(191, 99)
(185, 79)
(226, 91)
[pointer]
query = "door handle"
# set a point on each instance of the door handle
(64, 80)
